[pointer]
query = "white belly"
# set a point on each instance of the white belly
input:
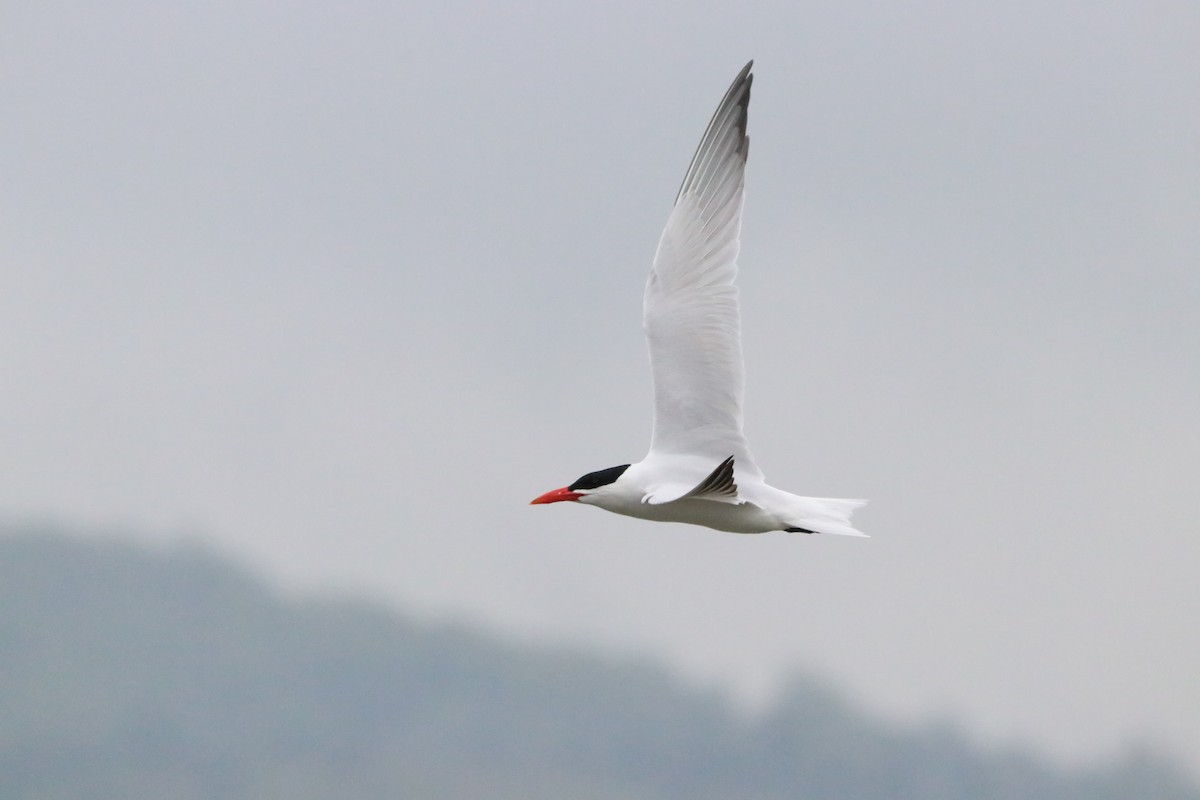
(743, 518)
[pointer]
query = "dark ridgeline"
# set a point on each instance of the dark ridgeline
(133, 673)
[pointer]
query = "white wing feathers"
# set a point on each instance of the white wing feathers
(691, 308)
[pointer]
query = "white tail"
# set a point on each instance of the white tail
(825, 515)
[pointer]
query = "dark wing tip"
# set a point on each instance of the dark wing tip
(737, 95)
(719, 483)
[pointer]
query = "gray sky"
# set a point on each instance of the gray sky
(343, 289)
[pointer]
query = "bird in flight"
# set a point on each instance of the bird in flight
(699, 469)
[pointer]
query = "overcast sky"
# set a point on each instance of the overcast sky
(342, 288)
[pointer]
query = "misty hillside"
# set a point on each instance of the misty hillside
(128, 672)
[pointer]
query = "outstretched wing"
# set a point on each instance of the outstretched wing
(691, 305)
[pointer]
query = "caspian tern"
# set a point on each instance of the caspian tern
(699, 468)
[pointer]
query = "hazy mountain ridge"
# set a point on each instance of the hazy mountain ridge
(130, 672)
